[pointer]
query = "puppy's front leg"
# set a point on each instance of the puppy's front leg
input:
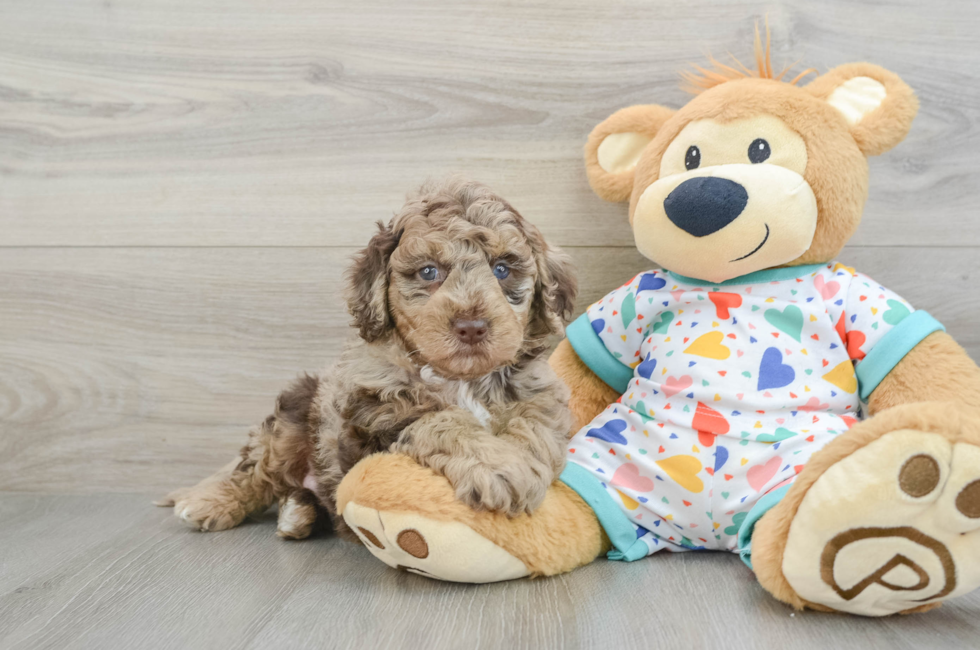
(488, 472)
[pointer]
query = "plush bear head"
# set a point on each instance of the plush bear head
(754, 172)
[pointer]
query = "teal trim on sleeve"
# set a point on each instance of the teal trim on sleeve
(765, 275)
(622, 533)
(592, 351)
(761, 507)
(892, 348)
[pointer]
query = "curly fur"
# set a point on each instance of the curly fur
(492, 417)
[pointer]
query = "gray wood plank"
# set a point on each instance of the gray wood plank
(149, 122)
(121, 574)
(142, 369)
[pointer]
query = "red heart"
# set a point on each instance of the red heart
(855, 339)
(724, 301)
(708, 420)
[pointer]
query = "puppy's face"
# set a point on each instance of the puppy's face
(468, 285)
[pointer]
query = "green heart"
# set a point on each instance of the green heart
(896, 314)
(780, 435)
(704, 382)
(809, 371)
(595, 455)
(746, 373)
(643, 451)
(666, 319)
(789, 321)
(736, 523)
(628, 309)
(724, 495)
(671, 352)
(641, 410)
(665, 500)
(755, 307)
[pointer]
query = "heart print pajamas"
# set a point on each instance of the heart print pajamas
(727, 390)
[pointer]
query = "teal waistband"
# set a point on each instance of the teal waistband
(761, 507)
(611, 517)
(765, 275)
(892, 348)
(593, 353)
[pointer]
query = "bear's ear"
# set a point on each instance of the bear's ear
(878, 106)
(614, 147)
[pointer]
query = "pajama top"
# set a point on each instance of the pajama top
(727, 390)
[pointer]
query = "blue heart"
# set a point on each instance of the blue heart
(721, 457)
(646, 368)
(611, 431)
(598, 325)
(773, 373)
(650, 282)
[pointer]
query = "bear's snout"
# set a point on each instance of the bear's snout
(701, 206)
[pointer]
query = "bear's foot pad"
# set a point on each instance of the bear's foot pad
(444, 550)
(894, 527)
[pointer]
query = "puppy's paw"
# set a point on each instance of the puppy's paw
(209, 509)
(513, 488)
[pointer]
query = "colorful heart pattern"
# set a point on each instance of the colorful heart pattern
(732, 390)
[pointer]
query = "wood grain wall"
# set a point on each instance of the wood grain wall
(182, 183)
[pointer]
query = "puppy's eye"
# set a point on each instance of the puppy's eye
(759, 151)
(429, 273)
(693, 158)
(500, 270)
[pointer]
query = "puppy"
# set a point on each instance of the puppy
(454, 301)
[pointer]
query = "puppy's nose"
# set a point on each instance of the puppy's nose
(470, 331)
(701, 206)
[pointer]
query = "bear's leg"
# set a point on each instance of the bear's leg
(408, 516)
(885, 519)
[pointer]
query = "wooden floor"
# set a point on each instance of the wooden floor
(182, 183)
(106, 571)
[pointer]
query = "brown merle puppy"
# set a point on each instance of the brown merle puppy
(454, 301)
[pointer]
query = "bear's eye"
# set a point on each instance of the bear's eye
(501, 271)
(693, 158)
(759, 151)
(429, 273)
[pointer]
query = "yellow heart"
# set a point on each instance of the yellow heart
(717, 397)
(803, 350)
(622, 336)
(745, 460)
(839, 266)
(628, 502)
(695, 449)
(683, 469)
(770, 300)
(709, 345)
(714, 324)
(874, 310)
(843, 377)
(813, 318)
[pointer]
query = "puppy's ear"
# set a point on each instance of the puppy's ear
(367, 285)
(878, 106)
(615, 145)
(556, 288)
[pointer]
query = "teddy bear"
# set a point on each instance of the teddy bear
(752, 395)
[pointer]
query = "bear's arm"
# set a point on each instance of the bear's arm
(590, 395)
(937, 369)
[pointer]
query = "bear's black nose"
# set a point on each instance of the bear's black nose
(701, 206)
